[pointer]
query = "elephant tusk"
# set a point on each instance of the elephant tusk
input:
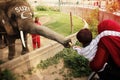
(3, 21)
(22, 38)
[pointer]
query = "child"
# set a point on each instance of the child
(35, 37)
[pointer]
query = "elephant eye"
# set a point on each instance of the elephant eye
(13, 17)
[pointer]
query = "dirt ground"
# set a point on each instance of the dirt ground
(54, 72)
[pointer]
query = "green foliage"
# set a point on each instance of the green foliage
(1, 62)
(92, 20)
(7, 75)
(42, 8)
(31, 70)
(45, 8)
(77, 65)
(50, 61)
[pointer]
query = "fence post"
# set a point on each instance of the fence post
(71, 23)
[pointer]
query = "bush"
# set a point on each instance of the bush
(76, 64)
(45, 8)
(1, 62)
(92, 20)
(7, 75)
(113, 6)
(42, 8)
(50, 61)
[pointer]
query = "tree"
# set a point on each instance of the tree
(113, 6)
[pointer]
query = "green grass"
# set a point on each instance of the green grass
(60, 22)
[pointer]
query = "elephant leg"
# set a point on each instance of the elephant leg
(2, 42)
(25, 49)
(5, 40)
(11, 48)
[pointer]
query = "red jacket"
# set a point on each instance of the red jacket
(108, 46)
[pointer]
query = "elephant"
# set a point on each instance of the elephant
(16, 21)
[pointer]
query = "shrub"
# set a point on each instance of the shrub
(45, 8)
(7, 75)
(92, 20)
(1, 62)
(76, 64)
(42, 8)
(113, 6)
(50, 61)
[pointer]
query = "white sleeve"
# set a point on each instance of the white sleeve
(78, 49)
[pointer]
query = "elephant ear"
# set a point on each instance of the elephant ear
(6, 24)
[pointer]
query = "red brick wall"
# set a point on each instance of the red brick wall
(84, 13)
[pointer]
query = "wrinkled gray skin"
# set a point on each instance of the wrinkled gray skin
(17, 16)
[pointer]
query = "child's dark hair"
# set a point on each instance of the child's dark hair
(84, 36)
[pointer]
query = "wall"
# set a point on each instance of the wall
(27, 61)
(85, 12)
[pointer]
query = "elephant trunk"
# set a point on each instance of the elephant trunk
(44, 31)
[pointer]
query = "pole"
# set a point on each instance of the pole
(59, 4)
(71, 23)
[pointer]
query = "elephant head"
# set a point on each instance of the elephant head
(17, 20)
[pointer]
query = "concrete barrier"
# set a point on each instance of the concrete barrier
(25, 62)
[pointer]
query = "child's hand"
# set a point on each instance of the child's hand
(76, 47)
